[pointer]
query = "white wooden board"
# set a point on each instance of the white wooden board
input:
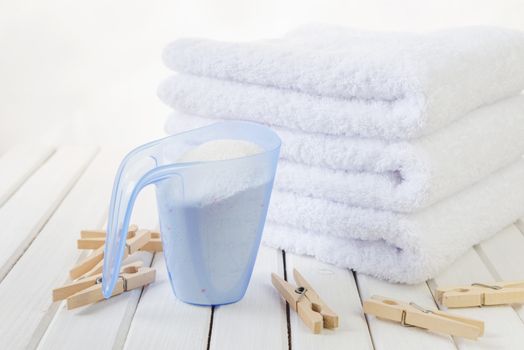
(17, 164)
(503, 327)
(385, 333)
(29, 208)
(503, 254)
(338, 289)
(49, 196)
(161, 321)
(105, 324)
(258, 321)
(520, 225)
(44, 265)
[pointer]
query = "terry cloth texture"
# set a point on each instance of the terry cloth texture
(401, 176)
(400, 150)
(407, 248)
(348, 82)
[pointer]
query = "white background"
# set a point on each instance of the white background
(88, 70)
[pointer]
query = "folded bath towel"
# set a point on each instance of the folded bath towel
(400, 176)
(397, 247)
(415, 83)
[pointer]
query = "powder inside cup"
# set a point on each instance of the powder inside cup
(220, 181)
(211, 234)
(221, 150)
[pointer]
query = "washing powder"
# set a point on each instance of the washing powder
(220, 150)
(212, 239)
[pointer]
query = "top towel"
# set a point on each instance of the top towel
(423, 80)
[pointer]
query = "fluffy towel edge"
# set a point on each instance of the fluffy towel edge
(435, 69)
(397, 247)
(402, 176)
(402, 119)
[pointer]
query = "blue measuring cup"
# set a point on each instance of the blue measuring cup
(211, 213)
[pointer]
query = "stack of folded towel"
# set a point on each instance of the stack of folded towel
(400, 151)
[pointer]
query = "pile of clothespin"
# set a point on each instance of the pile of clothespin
(317, 315)
(86, 287)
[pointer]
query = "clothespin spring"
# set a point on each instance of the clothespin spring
(303, 299)
(124, 281)
(404, 313)
(483, 295)
(420, 317)
(486, 286)
(302, 293)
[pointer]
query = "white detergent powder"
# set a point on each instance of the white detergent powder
(221, 150)
(225, 179)
(212, 236)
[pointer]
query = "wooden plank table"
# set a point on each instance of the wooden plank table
(47, 194)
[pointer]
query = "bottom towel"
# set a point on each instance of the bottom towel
(407, 248)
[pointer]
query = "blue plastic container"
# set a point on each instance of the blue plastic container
(212, 213)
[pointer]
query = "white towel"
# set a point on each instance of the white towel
(400, 176)
(397, 247)
(387, 85)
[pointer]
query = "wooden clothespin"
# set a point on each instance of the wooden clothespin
(410, 314)
(306, 302)
(93, 261)
(92, 265)
(93, 239)
(89, 290)
(480, 294)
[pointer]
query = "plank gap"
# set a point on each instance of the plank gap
(432, 286)
(210, 327)
(288, 312)
(501, 261)
(5, 198)
(487, 262)
(503, 327)
(50, 313)
(27, 244)
(357, 284)
(125, 326)
(260, 299)
(520, 225)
